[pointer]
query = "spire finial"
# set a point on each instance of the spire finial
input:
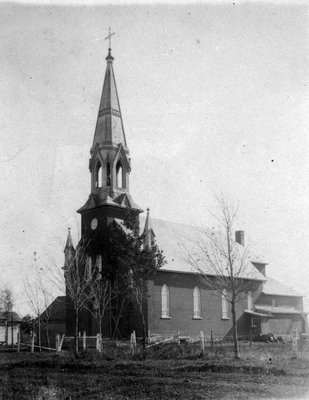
(109, 36)
(148, 209)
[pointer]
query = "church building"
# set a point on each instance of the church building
(177, 299)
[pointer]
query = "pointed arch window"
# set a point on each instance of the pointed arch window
(119, 175)
(225, 307)
(165, 302)
(197, 310)
(108, 174)
(98, 175)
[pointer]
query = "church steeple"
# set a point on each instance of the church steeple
(68, 250)
(109, 162)
(148, 233)
(109, 128)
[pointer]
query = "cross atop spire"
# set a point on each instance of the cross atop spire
(109, 36)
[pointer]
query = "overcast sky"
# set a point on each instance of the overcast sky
(214, 97)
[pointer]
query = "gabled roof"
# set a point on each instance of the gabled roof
(273, 287)
(56, 310)
(177, 239)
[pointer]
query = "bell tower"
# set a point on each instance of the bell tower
(109, 162)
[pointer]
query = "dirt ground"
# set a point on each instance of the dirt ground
(263, 374)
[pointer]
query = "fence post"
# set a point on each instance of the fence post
(84, 341)
(61, 342)
(202, 342)
(149, 336)
(18, 341)
(211, 339)
(99, 343)
(32, 343)
(178, 337)
(57, 342)
(295, 341)
(133, 343)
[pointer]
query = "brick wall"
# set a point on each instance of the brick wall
(181, 288)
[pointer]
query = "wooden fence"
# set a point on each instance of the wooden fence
(299, 342)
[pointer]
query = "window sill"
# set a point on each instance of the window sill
(198, 318)
(225, 318)
(162, 317)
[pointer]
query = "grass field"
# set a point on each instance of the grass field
(267, 372)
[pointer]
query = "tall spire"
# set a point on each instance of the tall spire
(109, 162)
(69, 243)
(109, 128)
(148, 233)
(68, 250)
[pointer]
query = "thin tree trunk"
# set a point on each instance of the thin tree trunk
(100, 320)
(235, 339)
(40, 333)
(118, 316)
(144, 325)
(12, 328)
(47, 335)
(76, 332)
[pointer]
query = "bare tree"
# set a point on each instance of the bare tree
(223, 264)
(100, 295)
(79, 277)
(6, 300)
(39, 299)
(146, 263)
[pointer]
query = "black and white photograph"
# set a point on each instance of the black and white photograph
(154, 200)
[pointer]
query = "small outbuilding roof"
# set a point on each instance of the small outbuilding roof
(9, 316)
(276, 310)
(273, 287)
(256, 314)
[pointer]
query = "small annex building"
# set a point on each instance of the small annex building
(177, 299)
(9, 328)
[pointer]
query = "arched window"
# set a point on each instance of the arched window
(108, 174)
(98, 175)
(250, 301)
(225, 308)
(165, 302)
(197, 311)
(119, 180)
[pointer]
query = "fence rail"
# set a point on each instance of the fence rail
(299, 342)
